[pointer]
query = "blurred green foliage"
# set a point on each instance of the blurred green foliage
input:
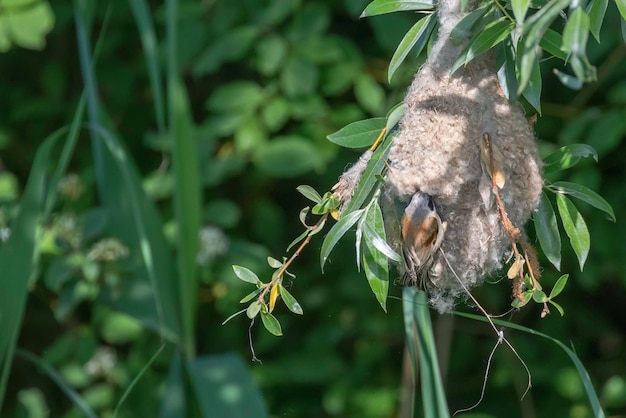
(267, 81)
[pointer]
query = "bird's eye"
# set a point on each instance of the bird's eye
(431, 204)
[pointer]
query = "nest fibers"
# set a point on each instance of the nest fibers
(437, 151)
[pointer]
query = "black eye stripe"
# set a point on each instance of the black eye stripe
(431, 204)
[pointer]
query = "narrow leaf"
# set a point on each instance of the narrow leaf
(246, 275)
(336, 232)
(358, 134)
(571, 82)
(420, 328)
(379, 7)
(585, 194)
(558, 307)
(251, 296)
(394, 116)
(539, 296)
(290, 301)
(548, 231)
(380, 244)
(520, 7)
(463, 29)
(532, 92)
(551, 42)
(575, 228)
(271, 324)
(576, 32)
(253, 310)
(493, 34)
(559, 286)
(534, 29)
(597, 10)
(416, 37)
(369, 179)
(375, 263)
(568, 156)
(298, 239)
(621, 6)
(310, 193)
(274, 293)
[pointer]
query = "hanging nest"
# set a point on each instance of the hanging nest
(450, 120)
(437, 151)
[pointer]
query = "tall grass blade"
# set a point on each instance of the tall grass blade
(150, 296)
(416, 311)
(145, 25)
(19, 257)
(187, 194)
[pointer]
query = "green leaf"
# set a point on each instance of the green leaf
(520, 7)
(597, 10)
(621, 6)
(551, 42)
(243, 96)
(299, 77)
(375, 263)
(548, 231)
(417, 38)
(288, 156)
(369, 94)
(584, 376)
(310, 193)
(336, 232)
(507, 73)
(572, 83)
(576, 33)
(246, 275)
(463, 29)
(559, 286)
(298, 239)
(271, 51)
(19, 257)
(558, 307)
(568, 156)
(534, 29)
(274, 263)
(575, 228)
(394, 116)
(585, 194)
(379, 242)
(149, 43)
(290, 301)
(329, 202)
(490, 36)
(26, 24)
(527, 295)
(539, 296)
(532, 92)
(253, 309)
(271, 324)
(358, 134)
(251, 296)
(369, 179)
(379, 7)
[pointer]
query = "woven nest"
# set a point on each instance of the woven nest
(437, 151)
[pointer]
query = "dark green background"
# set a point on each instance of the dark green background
(309, 68)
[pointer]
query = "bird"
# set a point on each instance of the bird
(421, 233)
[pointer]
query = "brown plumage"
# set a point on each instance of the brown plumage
(421, 232)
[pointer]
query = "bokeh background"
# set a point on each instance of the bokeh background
(267, 81)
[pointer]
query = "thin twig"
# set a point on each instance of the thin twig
(280, 272)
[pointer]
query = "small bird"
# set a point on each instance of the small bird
(422, 233)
